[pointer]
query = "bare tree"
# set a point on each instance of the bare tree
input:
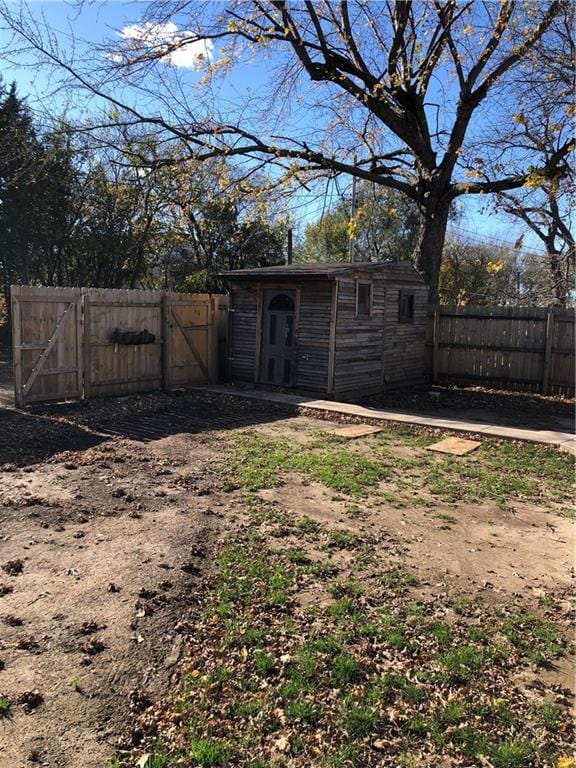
(401, 94)
(546, 214)
(544, 119)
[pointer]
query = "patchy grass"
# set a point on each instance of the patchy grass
(445, 517)
(156, 759)
(534, 638)
(384, 670)
(307, 525)
(209, 753)
(398, 580)
(343, 540)
(258, 462)
(4, 707)
(533, 473)
(271, 681)
(551, 716)
(298, 557)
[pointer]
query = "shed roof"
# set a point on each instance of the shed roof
(401, 270)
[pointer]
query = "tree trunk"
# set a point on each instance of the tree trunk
(561, 272)
(559, 287)
(431, 244)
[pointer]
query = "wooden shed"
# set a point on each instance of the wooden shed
(342, 331)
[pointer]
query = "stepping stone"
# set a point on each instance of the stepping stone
(569, 447)
(352, 431)
(457, 446)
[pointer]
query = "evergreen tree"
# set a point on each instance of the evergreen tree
(20, 167)
(59, 192)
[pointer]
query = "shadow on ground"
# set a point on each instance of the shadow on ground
(29, 439)
(32, 436)
(522, 410)
(6, 380)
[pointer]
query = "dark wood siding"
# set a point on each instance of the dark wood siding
(404, 341)
(358, 354)
(370, 353)
(242, 345)
(313, 337)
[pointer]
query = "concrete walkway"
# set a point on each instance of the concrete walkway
(565, 441)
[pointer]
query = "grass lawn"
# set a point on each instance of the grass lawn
(320, 643)
(497, 471)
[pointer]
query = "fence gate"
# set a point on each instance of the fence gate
(191, 354)
(71, 342)
(47, 328)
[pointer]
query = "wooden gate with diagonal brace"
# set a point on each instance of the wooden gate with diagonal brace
(65, 342)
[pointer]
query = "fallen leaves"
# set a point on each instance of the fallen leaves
(13, 567)
(13, 621)
(92, 646)
(89, 627)
(30, 700)
(378, 679)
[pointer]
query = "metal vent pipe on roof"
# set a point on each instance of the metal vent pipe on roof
(289, 252)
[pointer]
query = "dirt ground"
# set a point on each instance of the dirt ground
(110, 542)
(525, 549)
(109, 514)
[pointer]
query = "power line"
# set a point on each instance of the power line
(490, 240)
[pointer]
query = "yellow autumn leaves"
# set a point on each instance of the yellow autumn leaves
(494, 266)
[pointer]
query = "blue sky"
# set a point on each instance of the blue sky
(78, 29)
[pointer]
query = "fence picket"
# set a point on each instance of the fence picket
(508, 347)
(65, 347)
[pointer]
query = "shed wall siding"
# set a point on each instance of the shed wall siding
(244, 303)
(313, 337)
(403, 355)
(371, 354)
(358, 354)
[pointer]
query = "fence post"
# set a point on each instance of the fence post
(166, 336)
(435, 345)
(17, 344)
(86, 350)
(212, 339)
(80, 343)
(223, 330)
(548, 352)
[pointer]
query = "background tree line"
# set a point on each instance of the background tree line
(72, 213)
(383, 224)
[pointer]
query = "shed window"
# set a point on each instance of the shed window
(281, 303)
(272, 330)
(363, 299)
(271, 368)
(406, 307)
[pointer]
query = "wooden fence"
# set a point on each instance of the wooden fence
(89, 342)
(64, 344)
(521, 348)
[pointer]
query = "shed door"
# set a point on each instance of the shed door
(278, 338)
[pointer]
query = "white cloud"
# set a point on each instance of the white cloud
(159, 37)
